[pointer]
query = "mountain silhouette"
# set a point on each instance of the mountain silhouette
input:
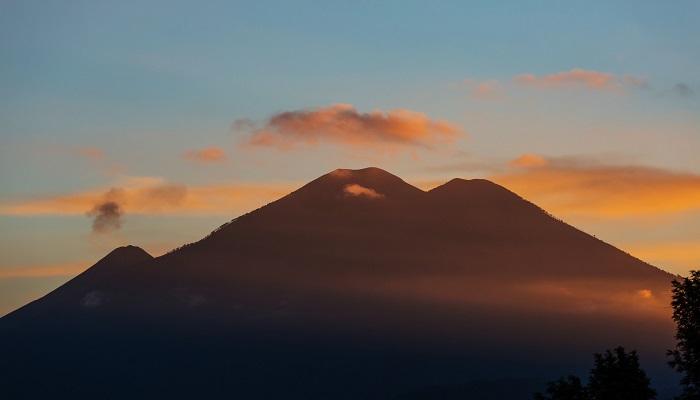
(356, 285)
(88, 288)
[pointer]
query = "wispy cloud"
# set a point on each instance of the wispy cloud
(43, 271)
(151, 196)
(206, 155)
(529, 160)
(577, 186)
(580, 78)
(89, 152)
(343, 124)
(683, 90)
(682, 252)
(485, 90)
(576, 78)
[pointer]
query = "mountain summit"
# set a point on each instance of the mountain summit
(356, 285)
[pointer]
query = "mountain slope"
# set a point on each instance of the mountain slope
(88, 289)
(355, 274)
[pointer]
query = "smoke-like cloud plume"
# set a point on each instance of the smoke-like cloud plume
(107, 217)
(683, 90)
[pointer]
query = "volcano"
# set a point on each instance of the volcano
(355, 286)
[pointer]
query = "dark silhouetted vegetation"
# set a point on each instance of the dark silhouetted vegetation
(569, 388)
(685, 358)
(615, 375)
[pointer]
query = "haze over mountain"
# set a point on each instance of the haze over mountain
(357, 285)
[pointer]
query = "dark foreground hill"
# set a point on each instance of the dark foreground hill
(356, 286)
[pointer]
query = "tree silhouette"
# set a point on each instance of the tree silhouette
(685, 358)
(569, 388)
(615, 375)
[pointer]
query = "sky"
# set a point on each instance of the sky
(154, 122)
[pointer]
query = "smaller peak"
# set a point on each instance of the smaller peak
(455, 181)
(333, 184)
(341, 173)
(362, 172)
(373, 170)
(475, 191)
(116, 260)
(468, 183)
(371, 177)
(128, 253)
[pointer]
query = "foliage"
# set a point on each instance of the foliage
(616, 375)
(569, 388)
(685, 358)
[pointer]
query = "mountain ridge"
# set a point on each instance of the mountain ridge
(371, 281)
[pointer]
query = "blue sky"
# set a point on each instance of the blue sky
(143, 82)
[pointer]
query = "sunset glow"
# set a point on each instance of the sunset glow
(113, 137)
(349, 200)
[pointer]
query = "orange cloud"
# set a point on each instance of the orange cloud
(361, 191)
(154, 196)
(574, 296)
(92, 153)
(529, 161)
(682, 252)
(581, 187)
(206, 155)
(41, 271)
(578, 77)
(485, 90)
(343, 124)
